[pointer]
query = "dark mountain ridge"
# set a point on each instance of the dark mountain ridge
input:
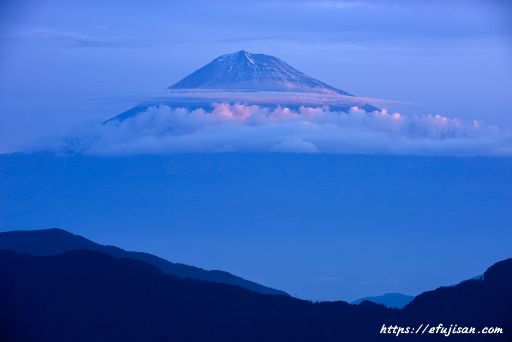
(56, 241)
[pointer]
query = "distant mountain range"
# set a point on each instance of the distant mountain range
(251, 79)
(391, 300)
(86, 295)
(56, 241)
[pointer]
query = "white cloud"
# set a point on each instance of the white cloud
(254, 128)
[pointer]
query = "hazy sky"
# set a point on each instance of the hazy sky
(64, 62)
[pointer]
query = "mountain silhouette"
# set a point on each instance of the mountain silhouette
(57, 241)
(391, 300)
(90, 296)
(481, 301)
(85, 295)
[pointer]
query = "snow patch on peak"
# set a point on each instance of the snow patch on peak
(249, 57)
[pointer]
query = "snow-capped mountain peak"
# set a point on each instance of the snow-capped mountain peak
(256, 72)
(250, 79)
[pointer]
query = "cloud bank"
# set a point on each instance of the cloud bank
(254, 128)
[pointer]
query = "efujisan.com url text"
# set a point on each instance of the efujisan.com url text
(440, 329)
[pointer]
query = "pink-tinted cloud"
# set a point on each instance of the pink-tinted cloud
(255, 128)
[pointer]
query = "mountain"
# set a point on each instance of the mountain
(390, 300)
(57, 241)
(91, 296)
(247, 71)
(486, 300)
(250, 79)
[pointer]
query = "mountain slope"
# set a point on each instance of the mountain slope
(480, 301)
(244, 70)
(56, 241)
(90, 296)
